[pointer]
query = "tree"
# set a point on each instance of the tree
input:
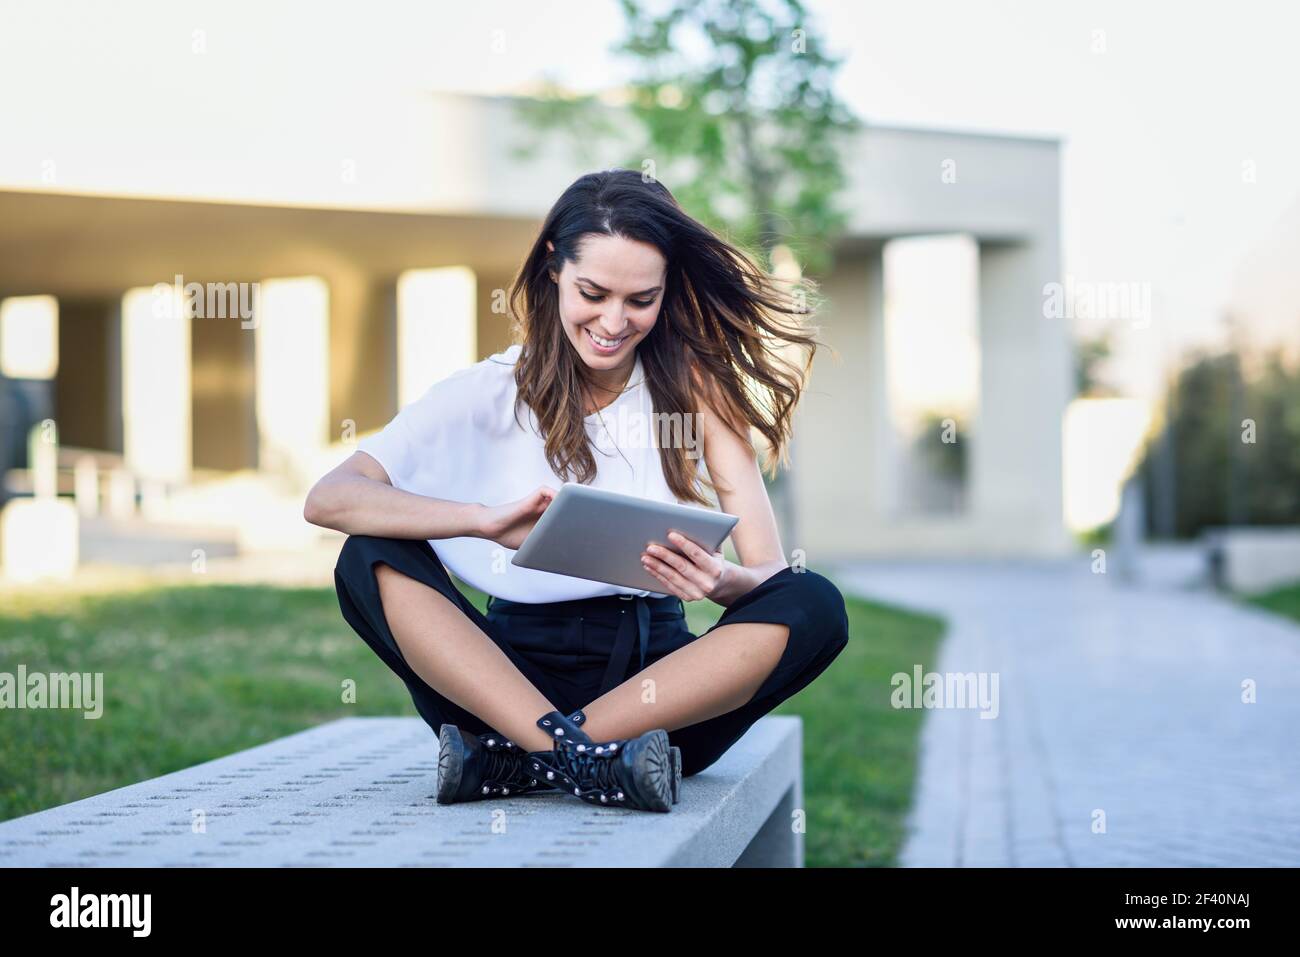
(1091, 355)
(746, 130)
(1234, 440)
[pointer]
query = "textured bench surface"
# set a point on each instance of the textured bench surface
(359, 792)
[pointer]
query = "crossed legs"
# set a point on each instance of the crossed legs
(708, 677)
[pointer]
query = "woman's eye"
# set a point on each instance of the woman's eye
(638, 303)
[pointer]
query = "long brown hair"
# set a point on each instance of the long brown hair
(721, 329)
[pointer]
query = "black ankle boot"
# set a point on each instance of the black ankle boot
(474, 767)
(578, 718)
(633, 772)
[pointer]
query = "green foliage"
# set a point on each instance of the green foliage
(1090, 356)
(190, 674)
(1282, 601)
(946, 459)
(1096, 537)
(746, 132)
(1212, 410)
(861, 753)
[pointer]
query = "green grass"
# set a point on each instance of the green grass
(1282, 601)
(192, 673)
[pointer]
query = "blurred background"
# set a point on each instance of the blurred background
(1044, 273)
(1058, 247)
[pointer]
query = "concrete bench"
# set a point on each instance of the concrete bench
(1252, 559)
(358, 792)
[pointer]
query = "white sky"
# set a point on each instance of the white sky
(1157, 127)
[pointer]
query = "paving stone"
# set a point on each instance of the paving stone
(1123, 698)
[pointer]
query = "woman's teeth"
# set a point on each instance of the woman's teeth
(604, 343)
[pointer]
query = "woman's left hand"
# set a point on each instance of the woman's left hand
(692, 576)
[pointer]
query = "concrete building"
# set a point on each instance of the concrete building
(380, 254)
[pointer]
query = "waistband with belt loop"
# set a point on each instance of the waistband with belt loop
(635, 614)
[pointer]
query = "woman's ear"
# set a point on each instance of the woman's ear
(550, 248)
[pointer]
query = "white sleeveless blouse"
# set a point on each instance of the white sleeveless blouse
(460, 442)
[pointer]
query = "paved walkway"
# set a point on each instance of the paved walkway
(1123, 700)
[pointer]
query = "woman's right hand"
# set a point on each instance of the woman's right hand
(509, 524)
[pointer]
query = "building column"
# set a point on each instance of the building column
(846, 449)
(884, 451)
(1026, 381)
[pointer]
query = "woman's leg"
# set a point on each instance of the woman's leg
(768, 645)
(716, 673)
(399, 598)
(460, 662)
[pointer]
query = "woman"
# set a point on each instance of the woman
(625, 306)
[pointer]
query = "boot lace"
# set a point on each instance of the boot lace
(586, 767)
(504, 766)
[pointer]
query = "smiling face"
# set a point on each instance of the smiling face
(609, 301)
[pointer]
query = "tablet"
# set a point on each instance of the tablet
(599, 535)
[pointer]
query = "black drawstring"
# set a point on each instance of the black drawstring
(632, 628)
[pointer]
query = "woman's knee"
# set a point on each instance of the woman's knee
(822, 603)
(363, 555)
(352, 556)
(369, 569)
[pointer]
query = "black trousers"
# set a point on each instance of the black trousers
(575, 651)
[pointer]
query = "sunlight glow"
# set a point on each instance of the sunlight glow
(1101, 439)
(156, 420)
(39, 539)
(437, 327)
(29, 337)
(931, 327)
(292, 372)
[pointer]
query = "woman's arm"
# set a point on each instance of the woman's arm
(733, 468)
(357, 498)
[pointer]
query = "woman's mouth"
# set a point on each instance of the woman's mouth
(602, 345)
